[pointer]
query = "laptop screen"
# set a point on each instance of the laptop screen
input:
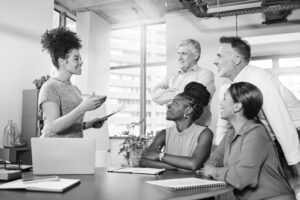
(63, 155)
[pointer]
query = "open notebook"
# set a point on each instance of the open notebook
(60, 185)
(186, 183)
(136, 170)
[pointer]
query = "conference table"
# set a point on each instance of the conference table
(114, 186)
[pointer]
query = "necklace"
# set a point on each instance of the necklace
(65, 82)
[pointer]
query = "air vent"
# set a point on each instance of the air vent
(224, 8)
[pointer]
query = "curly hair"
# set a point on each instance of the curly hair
(198, 97)
(59, 42)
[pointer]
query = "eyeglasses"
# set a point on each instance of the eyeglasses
(10, 165)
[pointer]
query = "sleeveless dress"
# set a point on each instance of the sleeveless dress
(182, 143)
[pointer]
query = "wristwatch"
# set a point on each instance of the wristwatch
(161, 155)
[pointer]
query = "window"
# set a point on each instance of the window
(120, 91)
(289, 73)
(125, 47)
(286, 68)
(157, 120)
(56, 16)
(283, 65)
(264, 63)
(71, 24)
(127, 77)
(62, 17)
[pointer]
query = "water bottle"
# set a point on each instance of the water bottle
(9, 135)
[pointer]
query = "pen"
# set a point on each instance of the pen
(40, 179)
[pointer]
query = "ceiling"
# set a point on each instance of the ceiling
(123, 11)
(126, 11)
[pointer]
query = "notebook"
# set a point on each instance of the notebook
(136, 170)
(60, 185)
(186, 183)
(63, 155)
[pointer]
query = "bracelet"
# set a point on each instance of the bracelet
(161, 155)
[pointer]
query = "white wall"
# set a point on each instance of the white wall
(21, 25)
(95, 35)
(208, 32)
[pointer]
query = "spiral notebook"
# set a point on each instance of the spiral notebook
(186, 183)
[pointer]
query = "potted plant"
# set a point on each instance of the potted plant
(133, 146)
(40, 81)
(38, 84)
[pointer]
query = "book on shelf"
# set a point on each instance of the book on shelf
(59, 185)
(187, 183)
(6, 175)
(136, 170)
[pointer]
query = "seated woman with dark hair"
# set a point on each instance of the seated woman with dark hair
(186, 145)
(246, 157)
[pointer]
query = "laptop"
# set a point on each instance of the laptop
(63, 155)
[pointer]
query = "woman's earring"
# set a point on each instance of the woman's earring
(184, 115)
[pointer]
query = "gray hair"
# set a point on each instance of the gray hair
(196, 48)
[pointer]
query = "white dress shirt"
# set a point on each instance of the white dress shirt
(174, 84)
(280, 111)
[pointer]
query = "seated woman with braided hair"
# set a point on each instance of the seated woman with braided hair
(186, 145)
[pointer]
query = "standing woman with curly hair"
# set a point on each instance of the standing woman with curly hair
(60, 101)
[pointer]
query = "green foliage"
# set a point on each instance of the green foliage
(39, 82)
(133, 143)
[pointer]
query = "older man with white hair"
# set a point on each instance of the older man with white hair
(189, 52)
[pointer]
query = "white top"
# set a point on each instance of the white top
(280, 111)
(176, 82)
(182, 143)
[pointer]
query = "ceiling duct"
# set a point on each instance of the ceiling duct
(274, 10)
